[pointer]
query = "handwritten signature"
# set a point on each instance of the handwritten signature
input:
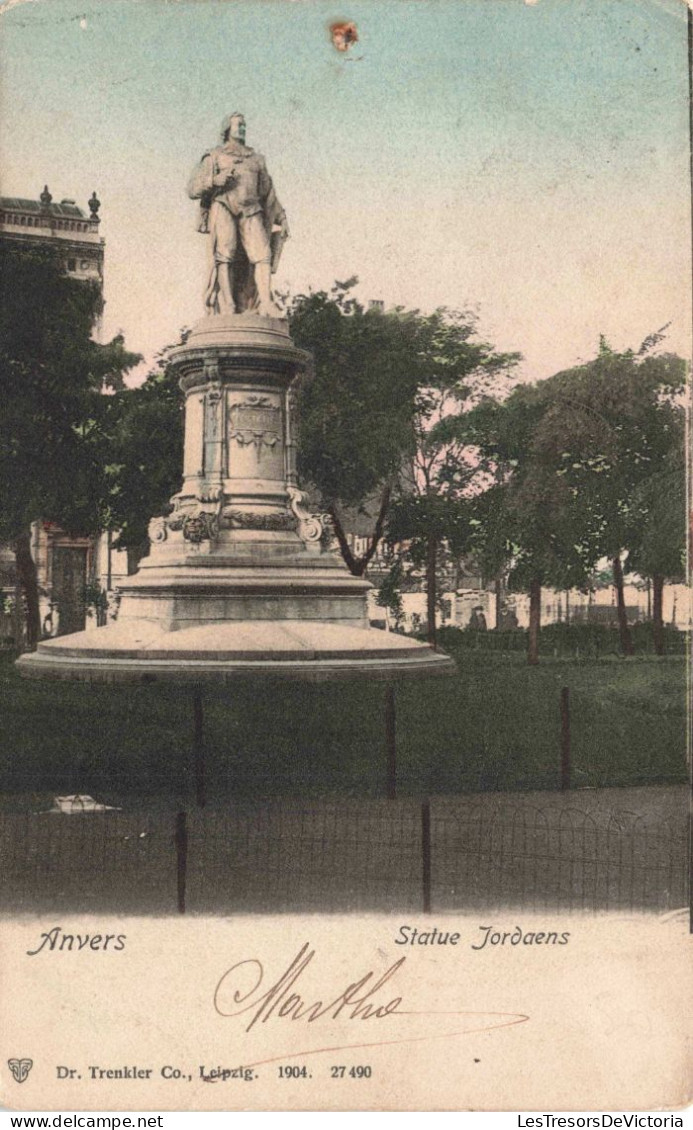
(242, 991)
(279, 1001)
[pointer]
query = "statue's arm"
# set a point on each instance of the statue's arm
(201, 182)
(273, 210)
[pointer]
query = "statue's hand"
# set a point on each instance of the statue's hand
(284, 228)
(221, 179)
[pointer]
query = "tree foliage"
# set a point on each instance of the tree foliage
(145, 454)
(435, 509)
(52, 375)
(378, 382)
(52, 380)
(355, 408)
(580, 459)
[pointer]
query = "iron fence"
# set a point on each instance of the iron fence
(445, 855)
(559, 858)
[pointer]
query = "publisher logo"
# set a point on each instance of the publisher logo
(20, 1068)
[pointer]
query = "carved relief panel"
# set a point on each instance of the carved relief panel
(256, 436)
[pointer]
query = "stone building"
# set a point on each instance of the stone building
(64, 226)
(64, 564)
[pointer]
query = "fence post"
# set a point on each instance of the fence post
(426, 854)
(565, 738)
(390, 742)
(198, 749)
(181, 841)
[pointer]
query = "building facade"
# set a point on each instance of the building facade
(65, 565)
(64, 226)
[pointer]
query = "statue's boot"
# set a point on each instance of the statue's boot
(210, 297)
(227, 304)
(263, 283)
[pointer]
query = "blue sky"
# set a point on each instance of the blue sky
(527, 160)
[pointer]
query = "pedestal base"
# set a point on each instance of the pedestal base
(141, 651)
(239, 581)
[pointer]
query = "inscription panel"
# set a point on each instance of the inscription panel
(255, 436)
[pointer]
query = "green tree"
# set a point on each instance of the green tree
(389, 594)
(379, 382)
(423, 523)
(52, 379)
(446, 468)
(657, 537)
(528, 521)
(145, 455)
(580, 457)
(612, 428)
(355, 408)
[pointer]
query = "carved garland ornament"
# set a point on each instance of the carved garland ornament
(200, 525)
(248, 520)
(255, 421)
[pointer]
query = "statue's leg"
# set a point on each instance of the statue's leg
(263, 282)
(225, 279)
(225, 240)
(257, 248)
(244, 291)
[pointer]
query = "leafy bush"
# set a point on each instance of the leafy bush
(572, 640)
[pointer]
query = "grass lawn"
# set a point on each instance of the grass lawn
(494, 726)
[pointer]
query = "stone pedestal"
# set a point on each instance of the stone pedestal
(239, 542)
(239, 579)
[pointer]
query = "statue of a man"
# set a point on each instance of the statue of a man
(245, 221)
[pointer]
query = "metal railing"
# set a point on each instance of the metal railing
(444, 855)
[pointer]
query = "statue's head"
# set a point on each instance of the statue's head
(233, 125)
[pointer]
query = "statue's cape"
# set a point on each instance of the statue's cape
(272, 212)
